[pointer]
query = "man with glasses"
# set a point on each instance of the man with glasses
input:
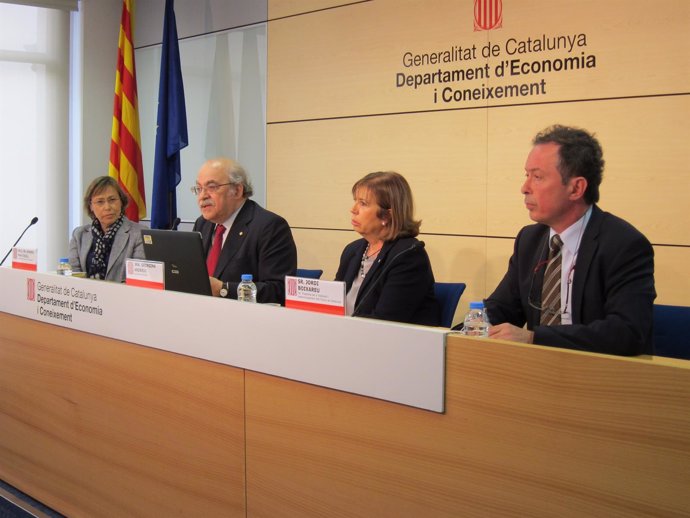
(240, 236)
(579, 278)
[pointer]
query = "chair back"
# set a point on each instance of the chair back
(672, 331)
(448, 295)
(310, 274)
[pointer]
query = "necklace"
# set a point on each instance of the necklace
(366, 256)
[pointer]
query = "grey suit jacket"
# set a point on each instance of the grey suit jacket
(127, 245)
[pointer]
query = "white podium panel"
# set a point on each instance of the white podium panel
(395, 362)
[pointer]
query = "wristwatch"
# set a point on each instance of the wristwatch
(224, 290)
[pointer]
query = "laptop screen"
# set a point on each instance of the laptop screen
(183, 255)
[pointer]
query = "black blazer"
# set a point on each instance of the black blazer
(612, 292)
(399, 285)
(260, 242)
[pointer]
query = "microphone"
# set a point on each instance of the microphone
(33, 222)
(418, 244)
(175, 223)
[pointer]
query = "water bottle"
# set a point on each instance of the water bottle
(64, 267)
(476, 320)
(246, 290)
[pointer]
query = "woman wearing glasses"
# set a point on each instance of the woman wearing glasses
(100, 248)
(387, 273)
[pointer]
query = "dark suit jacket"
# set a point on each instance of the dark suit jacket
(260, 243)
(399, 285)
(612, 291)
(128, 244)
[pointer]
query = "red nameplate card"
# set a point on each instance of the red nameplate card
(145, 274)
(315, 295)
(24, 259)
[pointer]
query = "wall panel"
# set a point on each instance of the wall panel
(283, 8)
(345, 61)
(316, 163)
(195, 18)
(335, 112)
(646, 161)
(321, 249)
(671, 275)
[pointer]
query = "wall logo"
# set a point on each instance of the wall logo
(488, 15)
(292, 287)
(30, 289)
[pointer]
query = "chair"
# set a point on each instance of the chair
(448, 295)
(310, 274)
(671, 331)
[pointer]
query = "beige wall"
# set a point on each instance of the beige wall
(334, 113)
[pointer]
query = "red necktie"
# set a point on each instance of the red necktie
(214, 253)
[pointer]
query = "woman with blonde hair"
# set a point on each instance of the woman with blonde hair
(100, 248)
(387, 273)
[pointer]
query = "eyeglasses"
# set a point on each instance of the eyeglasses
(211, 188)
(101, 202)
(549, 309)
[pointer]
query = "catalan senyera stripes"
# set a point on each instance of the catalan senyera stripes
(125, 146)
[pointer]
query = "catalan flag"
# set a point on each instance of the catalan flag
(125, 145)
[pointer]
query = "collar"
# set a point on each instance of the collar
(572, 236)
(228, 222)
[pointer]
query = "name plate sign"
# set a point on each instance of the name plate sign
(146, 274)
(315, 295)
(25, 259)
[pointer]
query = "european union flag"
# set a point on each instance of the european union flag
(171, 134)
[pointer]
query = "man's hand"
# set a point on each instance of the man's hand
(216, 285)
(512, 333)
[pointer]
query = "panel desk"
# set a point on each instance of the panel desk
(94, 425)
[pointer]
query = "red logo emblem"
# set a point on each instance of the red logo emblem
(488, 14)
(292, 287)
(30, 289)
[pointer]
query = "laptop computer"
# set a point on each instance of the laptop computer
(183, 255)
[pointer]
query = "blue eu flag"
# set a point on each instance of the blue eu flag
(171, 134)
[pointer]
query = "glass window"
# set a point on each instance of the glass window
(224, 77)
(34, 60)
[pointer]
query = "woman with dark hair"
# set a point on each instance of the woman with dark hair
(101, 247)
(387, 273)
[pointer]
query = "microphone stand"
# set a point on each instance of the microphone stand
(33, 222)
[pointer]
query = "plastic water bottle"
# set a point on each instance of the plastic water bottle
(476, 320)
(64, 267)
(246, 290)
